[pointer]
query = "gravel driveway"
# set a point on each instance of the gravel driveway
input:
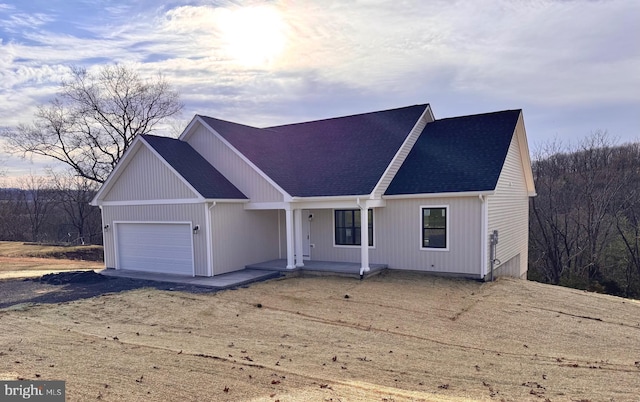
(74, 285)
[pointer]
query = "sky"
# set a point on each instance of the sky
(573, 66)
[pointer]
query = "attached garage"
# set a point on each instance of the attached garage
(165, 247)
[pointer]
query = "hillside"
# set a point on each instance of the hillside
(394, 337)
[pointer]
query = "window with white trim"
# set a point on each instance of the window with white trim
(348, 227)
(434, 227)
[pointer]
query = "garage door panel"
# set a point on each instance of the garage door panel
(155, 247)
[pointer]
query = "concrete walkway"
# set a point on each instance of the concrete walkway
(224, 281)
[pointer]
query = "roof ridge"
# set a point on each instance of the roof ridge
(159, 136)
(478, 114)
(235, 123)
(424, 105)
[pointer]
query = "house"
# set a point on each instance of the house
(394, 187)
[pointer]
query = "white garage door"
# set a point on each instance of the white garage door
(155, 247)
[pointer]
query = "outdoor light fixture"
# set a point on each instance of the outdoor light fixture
(195, 229)
(106, 227)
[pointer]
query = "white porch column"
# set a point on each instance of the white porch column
(289, 227)
(297, 221)
(364, 238)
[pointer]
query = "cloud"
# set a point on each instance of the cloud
(341, 57)
(18, 21)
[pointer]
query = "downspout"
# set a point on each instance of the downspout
(210, 240)
(105, 227)
(484, 224)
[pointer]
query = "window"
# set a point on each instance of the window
(347, 227)
(434, 227)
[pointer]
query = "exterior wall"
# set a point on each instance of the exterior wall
(157, 213)
(147, 178)
(510, 268)
(397, 237)
(241, 237)
(236, 170)
(508, 212)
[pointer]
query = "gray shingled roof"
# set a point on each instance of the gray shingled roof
(331, 157)
(348, 155)
(194, 168)
(457, 154)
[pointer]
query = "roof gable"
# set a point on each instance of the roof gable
(457, 155)
(193, 168)
(331, 157)
(148, 177)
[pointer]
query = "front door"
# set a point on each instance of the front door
(307, 217)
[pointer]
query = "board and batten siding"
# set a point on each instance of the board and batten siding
(194, 213)
(241, 237)
(236, 170)
(147, 178)
(508, 212)
(397, 237)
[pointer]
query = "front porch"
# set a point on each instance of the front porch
(295, 241)
(350, 269)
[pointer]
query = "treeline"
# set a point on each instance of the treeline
(584, 223)
(50, 209)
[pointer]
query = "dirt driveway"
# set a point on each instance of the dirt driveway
(394, 337)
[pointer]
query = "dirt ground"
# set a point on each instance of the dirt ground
(11, 267)
(22, 260)
(37, 250)
(394, 337)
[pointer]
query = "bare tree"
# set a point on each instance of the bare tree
(94, 119)
(13, 225)
(584, 221)
(37, 199)
(74, 194)
(628, 216)
(553, 233)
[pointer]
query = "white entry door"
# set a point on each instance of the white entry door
(306, 234)
(155, 247)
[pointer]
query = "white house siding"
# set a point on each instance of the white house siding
(194, 213)
(397, 237)
(233, 167)
(148, 178)
(241, 237)
(508, 212)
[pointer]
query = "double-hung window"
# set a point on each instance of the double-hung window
(348, 227)
(434, 227)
